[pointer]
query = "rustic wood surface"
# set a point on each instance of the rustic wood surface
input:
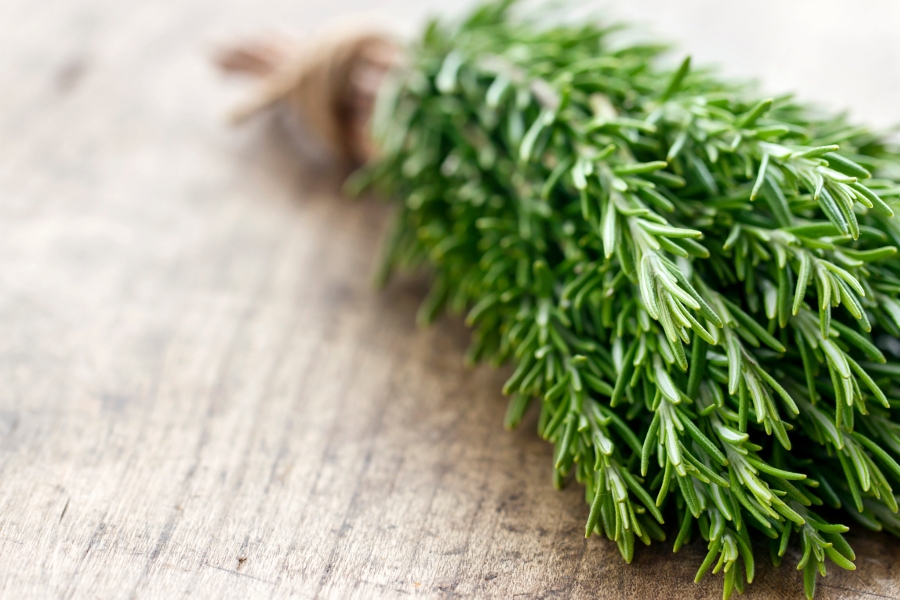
(201, 395)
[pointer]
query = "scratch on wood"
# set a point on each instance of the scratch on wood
(858, 592)
(65, 508)
(237, 574)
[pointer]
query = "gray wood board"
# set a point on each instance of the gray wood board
(202, 394)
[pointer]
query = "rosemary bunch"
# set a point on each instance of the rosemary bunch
(698, 287)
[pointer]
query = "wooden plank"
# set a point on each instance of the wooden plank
(204, 397)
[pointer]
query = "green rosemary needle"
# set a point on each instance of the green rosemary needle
(698, 287)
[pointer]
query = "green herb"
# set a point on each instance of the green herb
(698, 287)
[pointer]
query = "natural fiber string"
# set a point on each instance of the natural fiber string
(329, 82)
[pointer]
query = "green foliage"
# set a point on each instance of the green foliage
(698, 287)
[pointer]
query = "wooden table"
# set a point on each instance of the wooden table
(201, 394)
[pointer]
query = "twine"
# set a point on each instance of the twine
(329, 83)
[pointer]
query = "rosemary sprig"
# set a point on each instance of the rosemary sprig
(698, 286)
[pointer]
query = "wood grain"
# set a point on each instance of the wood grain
(203, 396)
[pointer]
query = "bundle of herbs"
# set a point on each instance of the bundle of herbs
(697, 287)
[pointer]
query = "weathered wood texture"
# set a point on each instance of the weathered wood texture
(202, 395)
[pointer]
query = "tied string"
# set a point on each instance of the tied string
(328, 82)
